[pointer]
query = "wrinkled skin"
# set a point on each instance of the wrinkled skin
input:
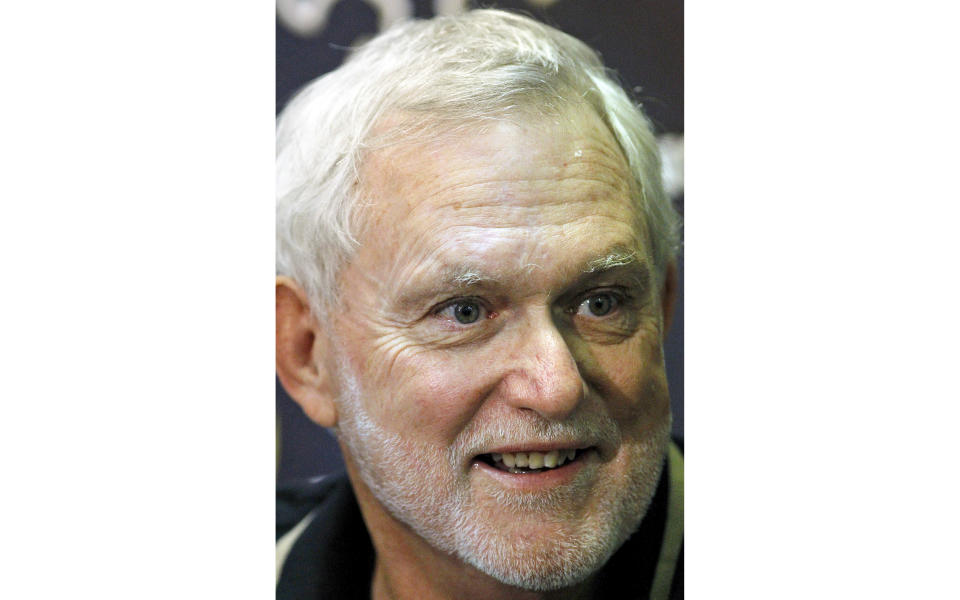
(509, 226)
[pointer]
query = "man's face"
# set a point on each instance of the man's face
(502, 303)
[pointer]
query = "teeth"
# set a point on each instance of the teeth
(550, 459)
(515, 462)
(536, 460)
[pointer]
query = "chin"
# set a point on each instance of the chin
(539, 564)
(539, 552)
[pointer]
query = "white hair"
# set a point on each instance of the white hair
(430, 78)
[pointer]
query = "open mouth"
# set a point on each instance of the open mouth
(531, 462)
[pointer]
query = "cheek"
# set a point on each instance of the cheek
(430, 395)
(634, 384)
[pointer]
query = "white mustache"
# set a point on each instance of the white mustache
(586, 429)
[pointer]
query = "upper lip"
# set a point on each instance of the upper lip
(536, 447)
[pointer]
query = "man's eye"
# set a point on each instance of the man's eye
(464, 311)
(599, 305)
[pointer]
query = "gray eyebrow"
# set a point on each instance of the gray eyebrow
(466, 277)
(459, 276)
(617, 258)
(637, 268)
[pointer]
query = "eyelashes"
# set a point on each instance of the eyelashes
(464, 311)
(605, 303)
(600, 304)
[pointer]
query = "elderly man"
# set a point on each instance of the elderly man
(476, 275)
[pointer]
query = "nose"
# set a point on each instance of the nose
(542, 373)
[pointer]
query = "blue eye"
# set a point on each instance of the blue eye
(465, 312)
(599, 305)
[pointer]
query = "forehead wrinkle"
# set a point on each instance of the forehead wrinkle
(462, 253)
(597, 162)
(502, 192)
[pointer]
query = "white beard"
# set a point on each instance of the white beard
(426, 488)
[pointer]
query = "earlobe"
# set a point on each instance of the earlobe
(668, 295)
(300, 355)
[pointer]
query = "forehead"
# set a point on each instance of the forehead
(573, 145)
(504, 192)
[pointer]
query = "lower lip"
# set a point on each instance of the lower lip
(541, 480)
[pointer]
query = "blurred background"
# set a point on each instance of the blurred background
(642, 40)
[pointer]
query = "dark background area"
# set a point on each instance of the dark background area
(641, 40)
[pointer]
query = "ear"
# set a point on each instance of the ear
(301, 353)
(668, 295)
